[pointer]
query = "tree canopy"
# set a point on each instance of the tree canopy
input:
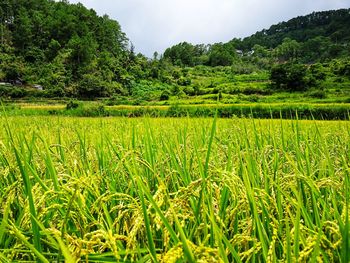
(71, 51)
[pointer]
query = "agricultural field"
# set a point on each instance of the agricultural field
(174, 190)
(203, 85)
(74, 108)
(199, 92)
(234, 151)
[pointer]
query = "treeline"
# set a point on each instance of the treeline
(57, 49)
(318, 49)
(67, 49)
(332, 26)
(317, 37)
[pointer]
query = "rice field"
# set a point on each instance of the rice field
(174, 190)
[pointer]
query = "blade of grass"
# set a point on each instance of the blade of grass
(24, 240)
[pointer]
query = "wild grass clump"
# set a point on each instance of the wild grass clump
(80, 110)
(174, 190)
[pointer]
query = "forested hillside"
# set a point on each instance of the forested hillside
(332, 26)
(57, 49)
(313, 38)
(67, 48)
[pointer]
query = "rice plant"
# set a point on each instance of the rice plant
(174, 190)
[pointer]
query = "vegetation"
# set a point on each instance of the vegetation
(189, 189)
(166, 190)
(313, 38)
(315, 111)
(51, 49)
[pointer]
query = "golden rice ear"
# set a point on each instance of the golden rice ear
(162, 190)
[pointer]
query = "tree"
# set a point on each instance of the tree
(91, 86)
(316, 49)
(221, 55)
(12, 67)
(181, 54)
(22, 35)
(132, 55)
(6, 18)
(82, 52)
(13, 71)
(260, 51)
(288, 50)
(155, 55)
(291, 77)
(53, 49)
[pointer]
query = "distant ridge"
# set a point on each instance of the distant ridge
(334, 24)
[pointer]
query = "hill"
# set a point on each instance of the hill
(55, 49)
(61, 46)
(319, 36)
(333, 25)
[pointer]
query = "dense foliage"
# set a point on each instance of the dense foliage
(314, 30)
(58, 49)
(315, 37)
(67, 48)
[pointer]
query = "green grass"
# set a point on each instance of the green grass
(320, 111)
(174, 190)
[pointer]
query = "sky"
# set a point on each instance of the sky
(154, 25)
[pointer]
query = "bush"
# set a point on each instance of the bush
(253, 98)
(165, 95)
(243, 68)
(72, 105)
(17, 93)
(13, 92)
(91, 111)
(291, 77)
(255, 90)
(92, 86)
(215, 90)
(117, 100)
(184, 82)
(318, 94)
(190, 91)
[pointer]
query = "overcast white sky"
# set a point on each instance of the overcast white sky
(154, 25)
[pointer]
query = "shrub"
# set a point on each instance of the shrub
(291, 77)
(184, 82)
(255, 90)
(215, 90)
(72, 105)
(117, 100)
(253, 98)
(318, 94)
(92, 86)
(165, 95)
(190, 91)
(13, 92)
(92, 111)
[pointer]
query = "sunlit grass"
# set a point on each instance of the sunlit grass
(174, 190)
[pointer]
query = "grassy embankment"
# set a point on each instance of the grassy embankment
(257, 110)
